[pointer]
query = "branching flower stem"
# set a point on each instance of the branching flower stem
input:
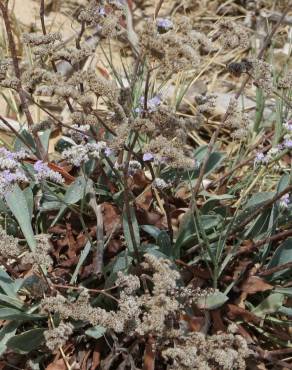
(238, 94)
(41, 152)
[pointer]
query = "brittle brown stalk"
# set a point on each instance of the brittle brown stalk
(41, 152)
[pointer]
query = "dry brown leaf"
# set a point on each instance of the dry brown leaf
(234, 312)
(111, 217)
(57, 365)
(96, 358)
(149, 355)
(73, 246)
(254, 284)
(218, 324)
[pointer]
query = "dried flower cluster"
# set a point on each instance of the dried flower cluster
(197, 351)
(285, 82)
(158, 314)
(57, 337)
(262, 74)
(107, 17)
(232, 35)
(237, 120)
(9, 247)
(142, 314)
(40, 256)
(175, 46)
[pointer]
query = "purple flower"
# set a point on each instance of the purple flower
(108, 152)
(101, 11)
(287, 143)
(148, 157)
(152, 104)
(8, 176)
(164, 23)
(43, 172)
(260, 158)
(284, 201)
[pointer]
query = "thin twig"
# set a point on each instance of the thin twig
(275, 269)
(99, 291)
(274, 238)
(12, 129)
(158, 7)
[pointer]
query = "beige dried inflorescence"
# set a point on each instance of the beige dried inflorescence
(158, 313)
(262, 73)
(175, 49)
(238, 120)
(40, 256)
(232, 35)
(169, 152)
(9, 247)
(285, 82)
(57, 337)
(144, 314)
(200, 352)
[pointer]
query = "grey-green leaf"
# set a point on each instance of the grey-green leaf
(74, 193)
(17, 203)
(213, 301)
(7, 313)
(27, 341)
(95, 332)
(269, 305)
(6, 333)
(8, 285)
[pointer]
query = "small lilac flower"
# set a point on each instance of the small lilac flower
(148, 157)
(260, 158)
(43, 172)
(101, 11)
(164, 23)
(154, 103)
(287, 143)
(108, 152)
(8, 178)
(284, 201)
